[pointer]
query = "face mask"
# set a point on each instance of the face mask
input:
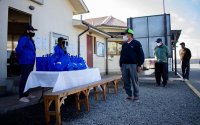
(125, 38)
(63, 43)
(159, 44)
(31, 34)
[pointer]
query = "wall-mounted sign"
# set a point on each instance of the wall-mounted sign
(100, 49)
(41, 2)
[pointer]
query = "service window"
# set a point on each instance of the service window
(114, 48)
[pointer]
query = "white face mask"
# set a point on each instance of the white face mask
(159, 44)
(125, 38)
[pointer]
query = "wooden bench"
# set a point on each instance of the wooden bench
(115, 85)
(59, 97)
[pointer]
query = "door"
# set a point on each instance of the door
(89, 51)
(17, 21)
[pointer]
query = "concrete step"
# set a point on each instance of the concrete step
(9, 86)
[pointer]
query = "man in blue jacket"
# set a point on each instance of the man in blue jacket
(26, 53)
(131, 59)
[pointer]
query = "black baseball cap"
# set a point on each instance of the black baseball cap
(29, 27)
(159, 40)
(60, 39)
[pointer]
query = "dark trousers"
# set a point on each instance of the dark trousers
(161, 71)
(185, 69)
(130, 78)
(26, 69)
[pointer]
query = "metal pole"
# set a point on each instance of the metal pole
(165, 32)
(175, 54)
(172, 58)
(164, 6)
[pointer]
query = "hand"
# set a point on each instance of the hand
(139, 69)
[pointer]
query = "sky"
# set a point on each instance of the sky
(185, 15)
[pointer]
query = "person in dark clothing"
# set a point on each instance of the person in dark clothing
(161, 54)
(185, 56)
(60, 49)
(131, 59)
(26, 53)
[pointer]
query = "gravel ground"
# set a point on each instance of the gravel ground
(173, 105)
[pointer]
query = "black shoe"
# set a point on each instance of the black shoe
(157, 85)
(129, 98)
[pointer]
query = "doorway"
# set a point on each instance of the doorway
(89, 51)
(17, 21)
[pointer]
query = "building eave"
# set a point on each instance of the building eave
(112, 27)
(83, 25)
(79, 7)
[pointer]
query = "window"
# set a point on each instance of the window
(114, 48)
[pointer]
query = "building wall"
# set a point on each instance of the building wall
(98, 62)
(46, 18)
(113, 60)
(3, 37)
(113, 64)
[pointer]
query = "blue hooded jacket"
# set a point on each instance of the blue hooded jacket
(25, 50)
(58, 51)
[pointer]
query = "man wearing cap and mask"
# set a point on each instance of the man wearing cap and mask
(26, 53)
(185, 55)
(60, 48)
(131, 59)
(161, 54)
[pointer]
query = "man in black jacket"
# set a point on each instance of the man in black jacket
(185, 56)
(131, 59)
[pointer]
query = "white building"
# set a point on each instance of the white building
(52, 18)
(116, 28)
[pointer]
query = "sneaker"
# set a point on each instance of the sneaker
(31, 96)
(24, 99)
(129, 98)
(136, 99)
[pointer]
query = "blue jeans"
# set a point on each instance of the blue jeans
(130, 76)
(26, 69)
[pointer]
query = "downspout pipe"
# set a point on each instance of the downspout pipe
(88, 28)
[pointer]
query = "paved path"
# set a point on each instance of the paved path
(175, 104)
(194, 77)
